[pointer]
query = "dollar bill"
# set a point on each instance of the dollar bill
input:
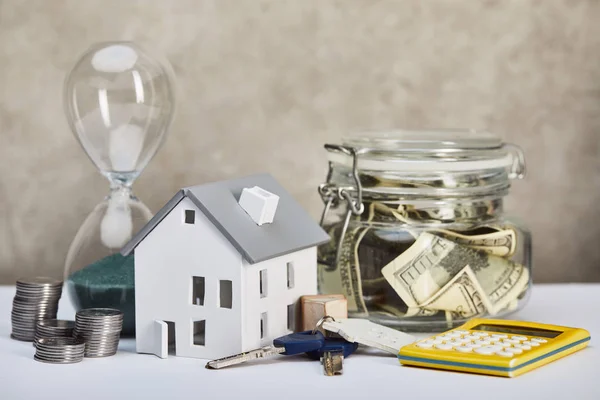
(432, 262)
(463, 296)
(500, 243)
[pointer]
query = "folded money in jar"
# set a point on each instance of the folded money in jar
(36, 299)
(63, 350)
(100, 329)
(419, 238)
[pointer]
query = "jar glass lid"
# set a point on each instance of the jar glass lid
(426, 140)
(427, 151)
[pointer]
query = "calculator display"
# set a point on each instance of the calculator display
(515, 330)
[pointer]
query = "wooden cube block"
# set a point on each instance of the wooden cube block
(315, 307)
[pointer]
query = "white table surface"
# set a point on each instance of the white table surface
(367, 374)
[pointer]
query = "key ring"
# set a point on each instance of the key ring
(320, 322)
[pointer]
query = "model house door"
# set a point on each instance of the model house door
(161, 339)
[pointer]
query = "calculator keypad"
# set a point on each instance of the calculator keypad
(481, 343)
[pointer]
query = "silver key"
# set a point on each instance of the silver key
(333, 362)
(294, 343)
(263, 352)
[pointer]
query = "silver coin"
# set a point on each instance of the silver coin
(98, 355)
(60, 342)
(35, 304)
(58, 349)
(56, 324)
(38, 280)
(99, 312)
(97, 332)
(58, 354)
(59, 361)
(39, 289)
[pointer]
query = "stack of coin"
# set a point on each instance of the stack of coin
(59, 350)
(36, 299)
(100, 328)
(53, 328)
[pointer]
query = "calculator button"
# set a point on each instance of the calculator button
(493, 339)
(444, 346)
(513, 350)
(511, 341)
(452, 335)
(482, 342)
(499, 335)
(425, 345)
(464, 349)
(472, 345)
(440, 338)
(437, 341)
(519, 338)
(486, 350)
(531, 343)
(456, 342)
(504, 353)
(523, 346)
(471, 337)
(481, 334)
(539, 340)
(461, 331)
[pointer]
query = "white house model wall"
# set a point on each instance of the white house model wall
(284, 280)
(165, 263)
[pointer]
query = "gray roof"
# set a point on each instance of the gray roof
(292, 228)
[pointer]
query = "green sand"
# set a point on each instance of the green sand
(109, 282)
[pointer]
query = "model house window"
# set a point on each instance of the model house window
(263, 282)
(291, 317)
(290, 275)
(225, 294)
(198, 290)
(263, 325)
(200, 333)
(190, 216)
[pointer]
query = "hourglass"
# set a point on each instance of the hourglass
(119, 104)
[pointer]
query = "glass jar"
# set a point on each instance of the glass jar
(419, 239)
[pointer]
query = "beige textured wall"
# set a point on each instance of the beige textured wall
(263, 84)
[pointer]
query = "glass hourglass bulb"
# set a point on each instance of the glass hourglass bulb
(119, 103)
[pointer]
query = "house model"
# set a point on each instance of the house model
(220, 268)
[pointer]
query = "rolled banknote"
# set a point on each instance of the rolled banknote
(501, 243)
(346, 277)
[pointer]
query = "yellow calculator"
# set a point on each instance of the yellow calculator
(495, 347)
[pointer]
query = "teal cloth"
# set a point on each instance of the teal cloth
(109, 282)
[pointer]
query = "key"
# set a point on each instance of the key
(332, 355)
(333, 362)
(370, 334)
(294, 343)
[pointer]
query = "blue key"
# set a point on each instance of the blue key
(294, 343)
(333, 345)
(300, 342)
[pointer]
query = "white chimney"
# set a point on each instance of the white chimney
(259, 204)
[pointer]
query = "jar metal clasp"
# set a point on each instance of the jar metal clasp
(331, 193)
